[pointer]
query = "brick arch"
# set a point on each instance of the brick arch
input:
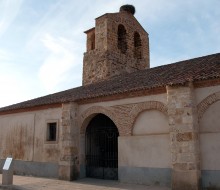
(137, 45)
(122, 38)
(206, 103)
(150, 105)
(91, 112)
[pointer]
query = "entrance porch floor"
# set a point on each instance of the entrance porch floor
(35, 183)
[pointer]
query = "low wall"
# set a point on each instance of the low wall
(39, 169)
(146, 176)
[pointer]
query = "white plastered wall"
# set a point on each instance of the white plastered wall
(210, 138)
(202, 93)
(23, 136)
(209, 130)
(149, 146)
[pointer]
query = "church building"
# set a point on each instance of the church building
(127, 122)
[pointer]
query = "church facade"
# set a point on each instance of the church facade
(127, 122)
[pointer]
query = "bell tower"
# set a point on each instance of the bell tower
(117, 44)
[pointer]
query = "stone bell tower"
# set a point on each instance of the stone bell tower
(117, 44)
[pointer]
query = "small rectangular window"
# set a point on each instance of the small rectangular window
(52, 131)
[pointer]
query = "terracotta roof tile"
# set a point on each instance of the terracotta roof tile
(197, 69)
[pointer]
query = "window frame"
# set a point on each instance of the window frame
(47, 131)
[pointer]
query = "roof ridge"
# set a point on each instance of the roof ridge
(188, 60)
(195, 69)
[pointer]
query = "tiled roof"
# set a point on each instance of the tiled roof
(197, 69)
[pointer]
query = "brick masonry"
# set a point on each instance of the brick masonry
(123, 116)
(106, 56)
(203, 105)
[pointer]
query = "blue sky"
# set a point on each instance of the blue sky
(42, 41)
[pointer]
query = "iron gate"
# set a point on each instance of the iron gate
(102, 148)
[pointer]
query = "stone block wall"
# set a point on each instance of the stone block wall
(100, 65)
(183, 122)
(106, 59)
(69, 145)
(95, 67)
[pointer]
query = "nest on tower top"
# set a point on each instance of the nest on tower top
(128, 8)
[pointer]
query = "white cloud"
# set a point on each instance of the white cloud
(13, 85)
(59, 62)
(11, 89)
(51, 51)
(9, 10)
(4, 55)
(68, 18)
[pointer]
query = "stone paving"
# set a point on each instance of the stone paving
(34, 183)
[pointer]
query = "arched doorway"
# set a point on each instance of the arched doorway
(102, 148)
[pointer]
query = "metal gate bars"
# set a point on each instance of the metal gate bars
(102, 148)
